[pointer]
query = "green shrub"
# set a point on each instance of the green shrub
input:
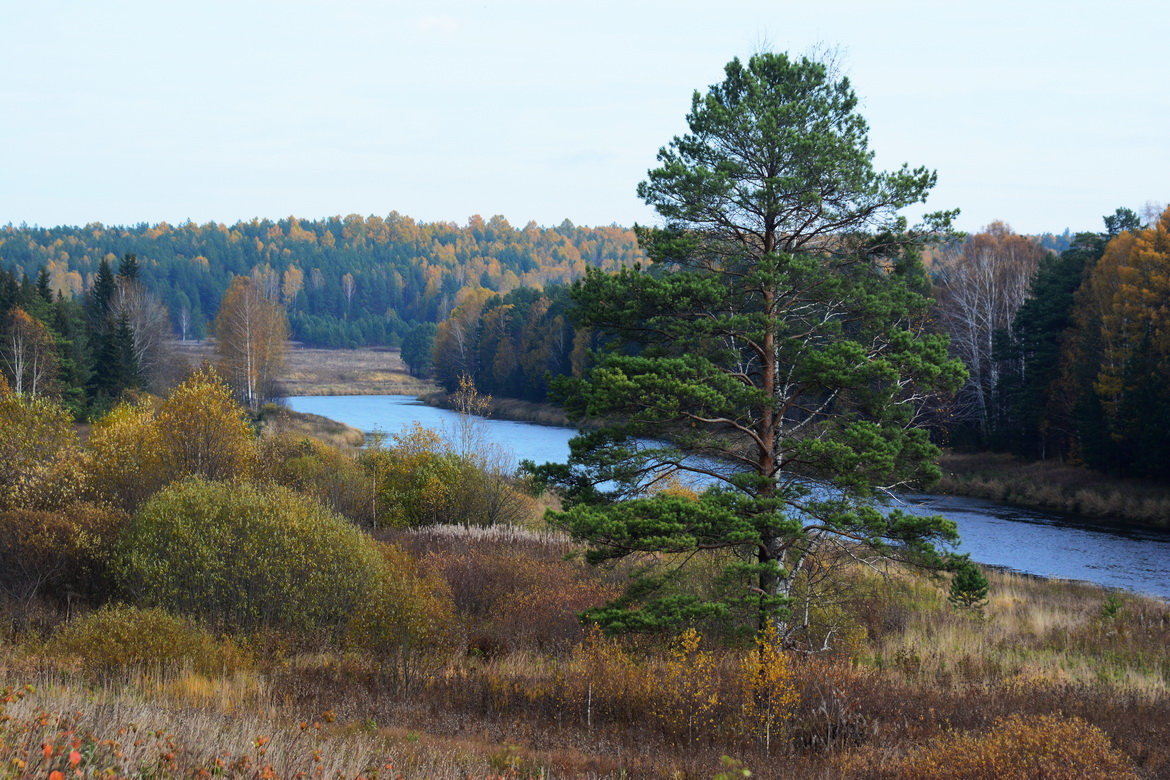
(422, 480)
(407, 606)
(322, 471)
(121, 636)
(245, 557)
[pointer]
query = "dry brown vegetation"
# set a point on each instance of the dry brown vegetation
(1050, 672)
(458, 652)
(281, 422)
(310, 371)
(1052, 485)
(508, 409)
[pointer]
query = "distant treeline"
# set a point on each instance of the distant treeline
(345, 281)
(1068, 353)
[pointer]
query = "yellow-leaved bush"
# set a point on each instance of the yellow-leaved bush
(40, 463)
(204, 432)
(125, 455)
(689, 692)
(246, 557)
(768, 688)
(198, 430)
(686, 695)
(118, 636)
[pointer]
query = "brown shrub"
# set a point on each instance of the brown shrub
(1023, 747)
(834, 703)
(520, 601)
(60, 555)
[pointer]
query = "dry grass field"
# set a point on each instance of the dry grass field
(309, 371)
(1051, 679)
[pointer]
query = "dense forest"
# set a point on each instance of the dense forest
(346, 281)
(1065, 351)
(86, 313)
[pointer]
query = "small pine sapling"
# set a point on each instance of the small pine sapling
(968, 586)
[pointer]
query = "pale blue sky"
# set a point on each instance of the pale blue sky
(1045, 115)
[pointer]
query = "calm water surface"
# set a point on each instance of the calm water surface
(1026, 540)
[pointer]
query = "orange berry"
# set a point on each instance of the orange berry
(75, 758)
(47, 750)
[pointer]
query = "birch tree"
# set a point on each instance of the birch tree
(251, 332)
(980, 288)
(28, 354)
(150, 328)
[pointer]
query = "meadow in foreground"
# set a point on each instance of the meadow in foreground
(308, 612)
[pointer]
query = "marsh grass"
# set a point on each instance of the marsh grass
(506, 409)
(276, 421)
(311, 371)
(1058, 486)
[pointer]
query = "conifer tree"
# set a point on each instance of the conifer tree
(777, 344)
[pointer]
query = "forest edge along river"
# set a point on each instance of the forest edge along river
(1031, 541)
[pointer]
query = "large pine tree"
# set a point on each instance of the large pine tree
(775, 349)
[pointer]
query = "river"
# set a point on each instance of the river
(1032, 541)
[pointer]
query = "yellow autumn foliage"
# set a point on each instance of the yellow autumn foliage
(768, 688)
(125, 461)
(198, 430)
(40, 462)
(203, 432)
(685, 695)
(1021, 747)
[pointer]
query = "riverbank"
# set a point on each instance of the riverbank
(275, 420)
(994, 476)
(1055, 486)
(512, 409)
